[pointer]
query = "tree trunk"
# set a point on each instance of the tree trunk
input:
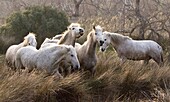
(141, 19)
(77, 7)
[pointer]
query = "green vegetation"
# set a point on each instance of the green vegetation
(43, 21)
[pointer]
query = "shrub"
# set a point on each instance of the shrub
(43, 21)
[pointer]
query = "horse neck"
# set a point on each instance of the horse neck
(60, 57)
(22, 44)
(19, 46)
(68, 39)
(90, 44)
(117, 40)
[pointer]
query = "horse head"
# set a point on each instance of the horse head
(71, 57)
(106, 42)
(76, 29)
(98, 31)
(30, 40)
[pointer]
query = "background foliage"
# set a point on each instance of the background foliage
(43, 21)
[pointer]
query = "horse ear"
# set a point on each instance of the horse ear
(68, 49)
(103, 28)
(69, 28)
(94, 27)
(108, 34)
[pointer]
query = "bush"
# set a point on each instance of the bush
(43, 21)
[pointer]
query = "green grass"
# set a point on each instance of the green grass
(112, 82)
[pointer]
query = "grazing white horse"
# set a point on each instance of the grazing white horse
(46, 59)
(127, 48)
(30, 40)
(74, 30)
(87, 51)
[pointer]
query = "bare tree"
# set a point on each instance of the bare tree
(77, 7)
(141, 19)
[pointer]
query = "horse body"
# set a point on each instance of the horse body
(87, 55)
(29, 40)
(69, 37)
(47, 58)
(128, 48)
(49, 42)
(87, 51)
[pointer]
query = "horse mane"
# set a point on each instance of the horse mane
(30, 35)
(98, 27)
(119, 38)
(66, 34)
(74, 25)
(64, 37)
(89, 35)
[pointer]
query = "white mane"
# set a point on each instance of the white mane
(118, 37)
(74, 25)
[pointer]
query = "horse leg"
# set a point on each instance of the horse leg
(146, 61)
(158, 60)
(67, 71)
(56, 74)
(93, 71)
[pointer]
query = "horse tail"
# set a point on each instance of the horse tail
(161, 55)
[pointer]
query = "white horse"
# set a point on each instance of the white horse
(127, 48)
(49, 42)
(68, 37)
(30, 40)
(46, 59)
(57, 36)
(87, 51)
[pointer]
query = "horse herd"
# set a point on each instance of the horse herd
(62, 52)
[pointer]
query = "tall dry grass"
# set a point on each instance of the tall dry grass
(112, 82)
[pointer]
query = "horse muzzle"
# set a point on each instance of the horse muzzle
(101, 43)
(81, 32)
(76, 67)
(102, 49)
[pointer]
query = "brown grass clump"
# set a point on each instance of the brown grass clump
(37, 87)
(112, 82)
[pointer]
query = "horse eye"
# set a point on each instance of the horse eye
(104, 39)
(72, 55)
(73, 28)
(95, 33)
